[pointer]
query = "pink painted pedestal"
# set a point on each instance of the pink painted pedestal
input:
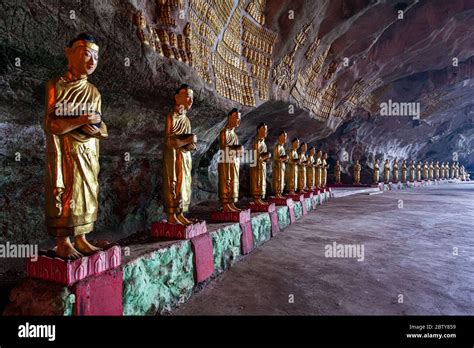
(243, 218)
(100, 294)
(64, 272)
(299, 197)
(175, 231)
(286, 202)
(202, 257)
(271, 210)
(95, 280)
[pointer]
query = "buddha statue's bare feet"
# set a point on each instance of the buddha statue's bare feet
(278, 195)
(185, 221)
(83, 246)
(227, 208)
(65, 250)
(173, 219)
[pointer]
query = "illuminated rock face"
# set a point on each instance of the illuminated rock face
(320, 70)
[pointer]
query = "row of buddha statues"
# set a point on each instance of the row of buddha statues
(74, 127)
(418, 171)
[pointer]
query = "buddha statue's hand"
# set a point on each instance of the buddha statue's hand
(93, 118)
(90, 130)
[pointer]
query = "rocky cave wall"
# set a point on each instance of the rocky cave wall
(332, 64)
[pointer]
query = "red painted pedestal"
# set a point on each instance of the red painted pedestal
(202, 257)
(68, 272)
(95, 280)
(243, 218)
(174, 231)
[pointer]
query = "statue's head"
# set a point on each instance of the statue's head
(82, 55)
(337, 162)
(282, 137)
(184, 97)
(312, 150)
(233, 118)
(357, 161)
(325, 155)
(303, 147)
(319, 154)
(262, 130)
(295, 143)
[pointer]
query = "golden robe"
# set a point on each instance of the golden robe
(404, 172)
(292, 173)
(228, 167)
(318, 172)
(258, 173)
(177, 165)
(436, 171)
(412, 172)
(302, 173)
(72, 161)
(279, 168)
(395, 173)
(376, 177)
(357, 169)
(425, 172)
(418, 172)
(310, 172)
(386, 173)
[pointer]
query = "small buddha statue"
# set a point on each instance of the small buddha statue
(258, 172)
(228, 169)
(386, 172)
(337, 172)
(310, 169)
(292, 173)
(457, 170)
(302, 164)
(412, 171)
(431, 171)
(395, 171)
(357, 170)
(279, 165)
(376, 175)
(318, 168)
(404, 171)
(324, 172)
(453, 170)
(436, 170)
(426, 171)
(418, 171)
(177, 160)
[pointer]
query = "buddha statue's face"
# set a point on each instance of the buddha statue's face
(325, 155)
(262, 132)
(295, 144)
(319, 153)
(312, 151)
(282, 138)
(357, 162)
(184, 99)
(234, 120)
(82, 59)
(303, 148)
